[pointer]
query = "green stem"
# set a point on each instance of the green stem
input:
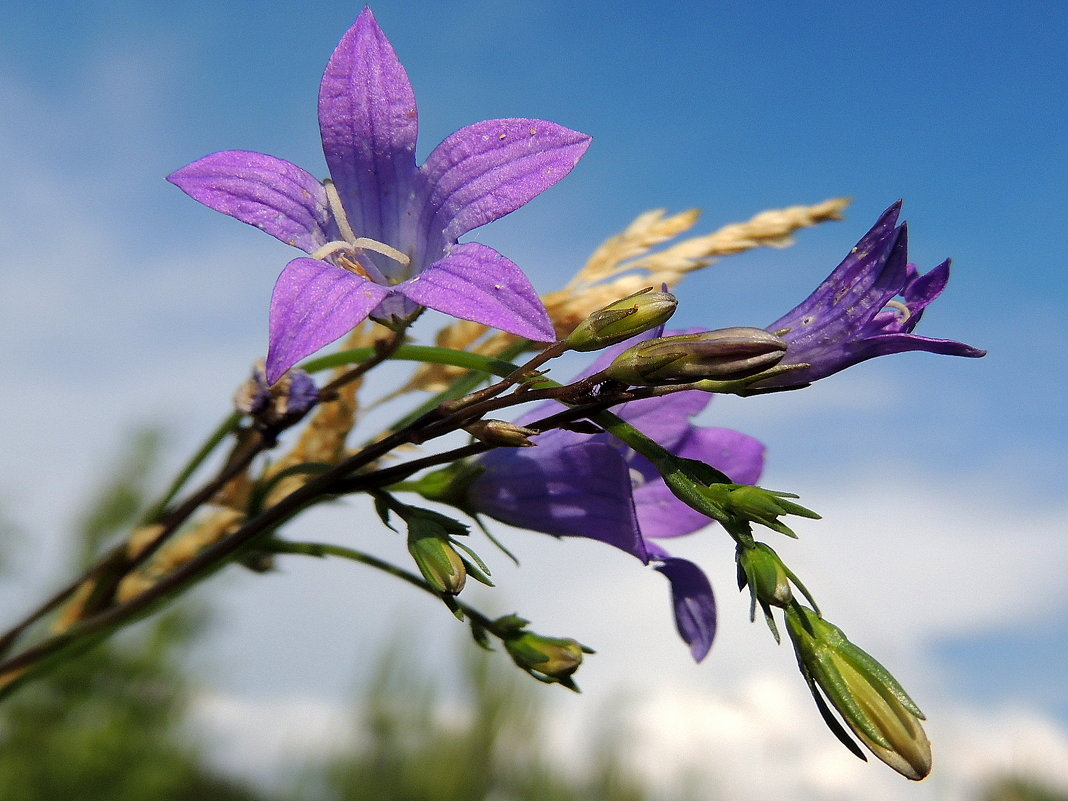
(460, 387)
(416, 353)
(323, 549)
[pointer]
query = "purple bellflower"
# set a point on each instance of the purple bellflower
(382, 232)
(594, 486)
(867, 307)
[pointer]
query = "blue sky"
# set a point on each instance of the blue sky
(121, 284)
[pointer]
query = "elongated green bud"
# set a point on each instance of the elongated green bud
(723, 355)
(439, 562)
(623, 319)
(871, 702)
(550, 659)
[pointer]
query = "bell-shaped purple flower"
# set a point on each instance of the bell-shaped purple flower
(382, 232)
(867, 307)
(594, 486)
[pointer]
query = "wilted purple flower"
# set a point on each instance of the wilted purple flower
(286, 400)
(594, 486)
(867, 307)
(382, 232)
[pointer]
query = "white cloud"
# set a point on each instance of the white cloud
(759, 738)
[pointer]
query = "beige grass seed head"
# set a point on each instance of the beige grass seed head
(628, 262)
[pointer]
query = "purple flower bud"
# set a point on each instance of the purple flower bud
(724, 354)
(501, 433)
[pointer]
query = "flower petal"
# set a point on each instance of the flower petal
(694, 604)
(475, 282)
(270, 193)
(313, 304)
(886, 344)
(369, 124)
(845, 290)
(567, 486)
(489, 169)
(921, 290)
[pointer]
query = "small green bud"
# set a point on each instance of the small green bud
(764, 506)
(766, 575)
(726, 354)
(871, 702)
(622, 320)
(549, 659)
(438, 561)
(501, 433)
(771, 583)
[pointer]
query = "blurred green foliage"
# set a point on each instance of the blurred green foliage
(484, 740)
(113, 723)
(109, 724)
(1014, 788)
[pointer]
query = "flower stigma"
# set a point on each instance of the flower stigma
(901, 308)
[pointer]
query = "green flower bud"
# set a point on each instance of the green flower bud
(764, 506)
(871, 702)
(723, 355)
(766, 575)
(439, 562)
(622, 320)
(550, 659)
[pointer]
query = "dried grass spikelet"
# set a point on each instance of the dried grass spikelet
(626, 263)
(215, 526)
(75, 608)
(92, 593)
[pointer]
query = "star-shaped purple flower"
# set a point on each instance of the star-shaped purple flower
(382, 232)
(594, 486)
(867, 307)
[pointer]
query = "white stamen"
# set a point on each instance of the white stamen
(363, 243)
(334, 199)
(352, 242)
(897, 304)
(330, 247)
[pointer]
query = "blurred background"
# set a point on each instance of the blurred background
(130, 308)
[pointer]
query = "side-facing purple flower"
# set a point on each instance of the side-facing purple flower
(867, 307)
(382, 232)
(594, 486)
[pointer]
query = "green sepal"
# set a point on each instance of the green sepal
(476, 568)
(882, 678)
(427, 522)
(493, 539)
(480, 635)
(832, 723)
(382, 509)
